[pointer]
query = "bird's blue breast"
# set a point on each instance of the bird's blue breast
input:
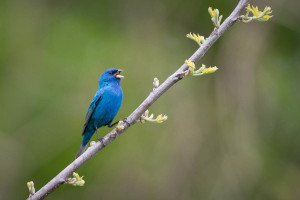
(108, 107)
(104, 106)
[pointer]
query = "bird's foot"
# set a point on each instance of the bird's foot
(125, 121)
(101, 141)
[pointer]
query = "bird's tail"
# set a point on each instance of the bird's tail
(81, 150)
(88, 133)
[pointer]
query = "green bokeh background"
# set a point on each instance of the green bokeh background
(231, 135)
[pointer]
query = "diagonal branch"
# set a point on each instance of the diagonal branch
(134, 117)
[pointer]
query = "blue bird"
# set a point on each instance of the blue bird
(104, 107)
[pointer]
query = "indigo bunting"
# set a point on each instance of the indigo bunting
(104, 107)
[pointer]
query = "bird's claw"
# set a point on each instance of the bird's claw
(101, 141)
(125, 121)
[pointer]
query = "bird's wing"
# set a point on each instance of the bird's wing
(97, 98)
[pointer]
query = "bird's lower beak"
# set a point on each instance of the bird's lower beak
(118, 75)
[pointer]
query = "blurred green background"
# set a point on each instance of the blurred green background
(230, 135)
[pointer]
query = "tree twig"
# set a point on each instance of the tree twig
(135, 115)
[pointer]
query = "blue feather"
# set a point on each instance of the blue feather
(104, 106)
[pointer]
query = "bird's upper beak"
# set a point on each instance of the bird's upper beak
(118, 75)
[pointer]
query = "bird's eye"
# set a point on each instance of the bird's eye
(110, 72)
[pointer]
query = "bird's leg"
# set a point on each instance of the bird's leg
(124, 120)
(97, 133)
(112, 125)
(99, 139)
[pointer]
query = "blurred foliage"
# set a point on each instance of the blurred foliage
(230, 135)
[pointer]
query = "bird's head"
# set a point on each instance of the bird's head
(111, 75)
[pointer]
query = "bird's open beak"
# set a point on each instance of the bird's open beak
(118, 75)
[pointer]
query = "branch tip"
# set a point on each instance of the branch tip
(257, 15)
(159, 119)
(196, 37)
(216, 18)
(31, 188)
(155, 83)
(120, 126)
(76, 180)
